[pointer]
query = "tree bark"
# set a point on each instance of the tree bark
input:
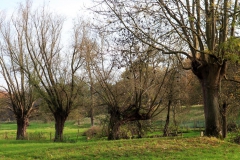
(224, 120)
(165, 131)
(59, 126)
(91, 116)
(114, 125)
(210, 75)
(140, 129)
(22, 124)
(211, 110)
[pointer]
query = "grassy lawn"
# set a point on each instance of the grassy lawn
(146, 148)
(188, 146)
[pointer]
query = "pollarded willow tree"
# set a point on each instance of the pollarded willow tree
(18, 92)
(203, 31)
(135, 94)
(52, 72)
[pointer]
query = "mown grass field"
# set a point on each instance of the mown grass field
(148, 148)
(76, 146)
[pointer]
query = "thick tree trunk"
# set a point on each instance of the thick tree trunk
(165, 131)
(59, 126)
(114, 131)
(211, 109)
(210, 73)
(114, 125)
(22, 124)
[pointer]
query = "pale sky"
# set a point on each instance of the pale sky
(69, 8)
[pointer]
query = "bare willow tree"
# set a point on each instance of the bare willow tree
(89, 49)
(203, 31)
(172, 96)
(19, 93)
(134, 94)
(52, 72)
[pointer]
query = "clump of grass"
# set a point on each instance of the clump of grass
(237, 139)
(94, 131)
(36, 136)
(234, 137)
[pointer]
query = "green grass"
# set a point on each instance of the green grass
(187, 117)
(146, 148)
(42, 131)
(188, 146)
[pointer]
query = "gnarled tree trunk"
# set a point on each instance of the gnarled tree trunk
(59, 126)
(114, 125)
(210, 75)
(22, 124)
